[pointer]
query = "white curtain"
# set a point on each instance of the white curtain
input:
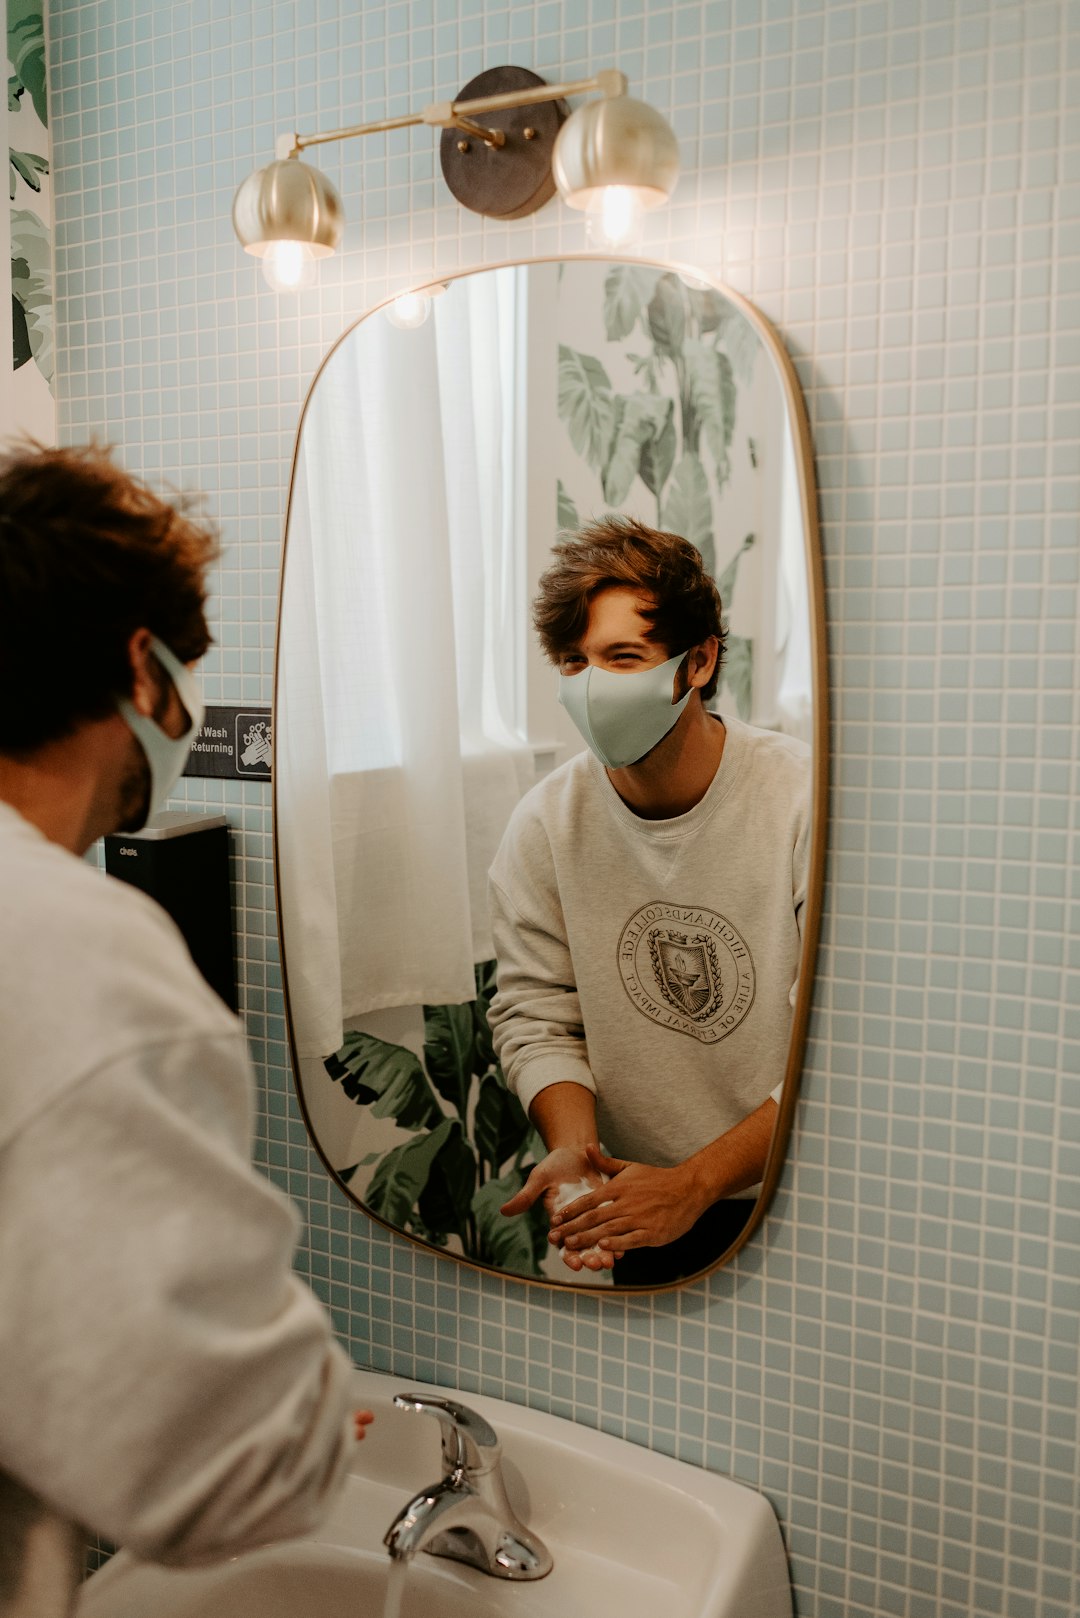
(396, 771)
(794, 675)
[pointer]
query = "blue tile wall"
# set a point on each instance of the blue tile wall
(896, 184)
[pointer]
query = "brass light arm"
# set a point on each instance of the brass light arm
(459, 114)
(490, 137)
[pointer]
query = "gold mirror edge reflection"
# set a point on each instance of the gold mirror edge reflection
(819, 808)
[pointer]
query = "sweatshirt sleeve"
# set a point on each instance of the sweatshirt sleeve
(171, 1385)
(535, 1014)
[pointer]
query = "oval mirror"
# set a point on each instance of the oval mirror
(448, 440)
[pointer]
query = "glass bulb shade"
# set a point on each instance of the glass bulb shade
(409, 311)
(288, 201)
(288, 266)
(615, 142)
(614, 218)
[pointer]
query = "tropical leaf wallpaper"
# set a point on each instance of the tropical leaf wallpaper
(467, 1145)
(660, 442)
(28, 170)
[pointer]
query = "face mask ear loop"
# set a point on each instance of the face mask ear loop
(184, 683)
(165, 755)
(684, 664)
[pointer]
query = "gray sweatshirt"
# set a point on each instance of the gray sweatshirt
(654, 961)
(165, 1380)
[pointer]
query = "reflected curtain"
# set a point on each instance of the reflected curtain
(396, 771)
(794, 674)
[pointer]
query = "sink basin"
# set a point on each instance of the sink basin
(633, 1534)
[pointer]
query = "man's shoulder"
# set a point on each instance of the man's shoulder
(545, 813)
(772, 749)
(772, 780)
(554, 799)
(92, 966)
(53, 895)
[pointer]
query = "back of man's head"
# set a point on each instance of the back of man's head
(621, 552)
(88, 555)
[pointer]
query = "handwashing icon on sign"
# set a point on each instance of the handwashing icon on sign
(258, 745)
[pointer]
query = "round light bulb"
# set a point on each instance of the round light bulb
(288, 266)
(614, 217)
(409, 311)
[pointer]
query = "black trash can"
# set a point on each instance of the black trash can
(181, 859)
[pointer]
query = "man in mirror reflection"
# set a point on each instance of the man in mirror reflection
(646, 906)
(169, 1384)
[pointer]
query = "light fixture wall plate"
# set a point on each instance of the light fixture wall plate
(514, 179)
(617, 141)
(288, 201)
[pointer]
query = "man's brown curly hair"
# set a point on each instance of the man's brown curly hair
(620, 550)
(88, 555)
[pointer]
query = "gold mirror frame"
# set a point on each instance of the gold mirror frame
(819, 806)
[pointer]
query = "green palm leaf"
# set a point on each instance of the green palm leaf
(31, 287)
(707, 307)
(449, 1052)
(627, 290)
(586, 404)
(26, 53)
(640, 419)
(658, 455)
(710, 390)
(667, 315)
(500, 1126)
(740, 342)
(687, 508)
(515, 1245)
(566, 516)
(27, 166)
(403, 1173)
(388, 1078)
(444, 1203)
(726, 581)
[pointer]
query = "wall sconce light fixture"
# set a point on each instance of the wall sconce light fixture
(613, 158)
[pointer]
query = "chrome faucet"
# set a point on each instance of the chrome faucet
(466, 1515)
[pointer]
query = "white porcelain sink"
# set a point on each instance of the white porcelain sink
(633, 1535)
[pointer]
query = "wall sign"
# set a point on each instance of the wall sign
(236, 743)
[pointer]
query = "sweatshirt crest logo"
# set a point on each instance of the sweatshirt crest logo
(688, 969)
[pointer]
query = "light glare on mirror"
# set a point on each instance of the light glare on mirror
(409, 311)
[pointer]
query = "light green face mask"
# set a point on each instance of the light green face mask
(623, 716)
(165, 755)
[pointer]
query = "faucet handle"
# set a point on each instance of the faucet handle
(468, 1441)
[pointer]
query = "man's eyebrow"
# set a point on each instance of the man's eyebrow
(610, 648)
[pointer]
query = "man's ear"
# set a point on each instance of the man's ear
(144, 679)
(701, 662)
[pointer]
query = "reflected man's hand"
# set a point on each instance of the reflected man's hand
(640, 1206)
(565, 1167)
